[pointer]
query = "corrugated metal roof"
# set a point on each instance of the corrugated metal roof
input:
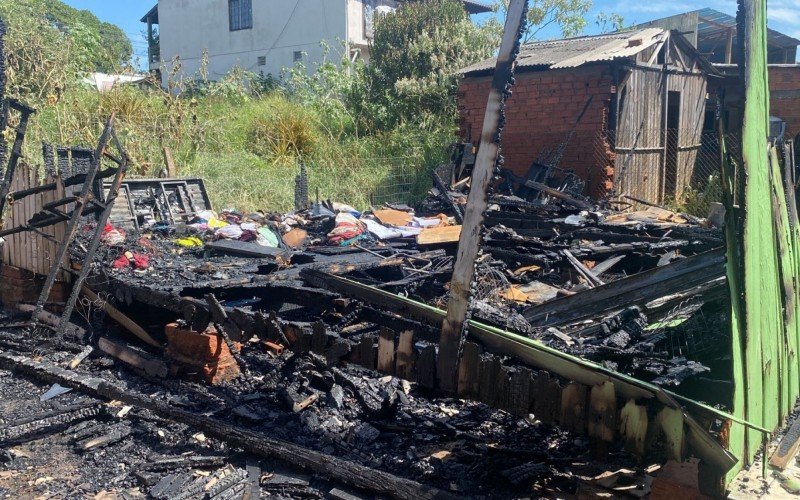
(574, 52)
(715, 24)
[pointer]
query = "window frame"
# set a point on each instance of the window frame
(240, 15)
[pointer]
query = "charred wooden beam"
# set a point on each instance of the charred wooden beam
(72, 226)
(372, 480)
(478, 200)
(640, 288)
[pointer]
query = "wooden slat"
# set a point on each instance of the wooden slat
(426, 367)
(547, 405)
(633, 427)
(573, 407)
(490, 372)
(670, 420)
(451, 337)
(469, 371)
(602, 422)
(520, 394)
(386, 351)
(439, 235)
(406, 357)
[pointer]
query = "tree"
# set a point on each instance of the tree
(113, 49)
(414, 59)
(568, 15)
(50, 45)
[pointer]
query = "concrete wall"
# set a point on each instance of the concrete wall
(280, 28)
(540, 113)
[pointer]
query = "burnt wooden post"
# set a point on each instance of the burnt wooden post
(74, 221)
(464, 270)
(77, 286)
(16, 148)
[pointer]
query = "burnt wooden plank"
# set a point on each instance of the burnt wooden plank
(469, 241)
(490, 371)
(633, 427)
(520, 393)
(637, 289)
(547, 406)
(406, 357)
(602, 422)
(573, 407)
(319, 338)
(469, 371)
(367, 352)
(426, 367)
(386, 351)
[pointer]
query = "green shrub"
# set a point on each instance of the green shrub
(281, 130)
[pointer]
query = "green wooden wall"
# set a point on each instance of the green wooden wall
(763, 258)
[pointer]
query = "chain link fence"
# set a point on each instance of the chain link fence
(669, 168)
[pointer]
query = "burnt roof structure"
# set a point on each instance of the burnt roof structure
(714, 34)
(578, 51)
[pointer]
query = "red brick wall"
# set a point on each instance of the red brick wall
(540, 113)
(786, 78)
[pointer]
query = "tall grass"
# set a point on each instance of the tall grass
(247, 150)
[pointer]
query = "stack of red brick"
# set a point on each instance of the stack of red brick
(20, 285)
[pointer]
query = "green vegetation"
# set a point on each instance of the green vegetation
(360, 130)
(50, 44)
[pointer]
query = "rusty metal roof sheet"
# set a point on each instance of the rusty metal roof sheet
(574, 52)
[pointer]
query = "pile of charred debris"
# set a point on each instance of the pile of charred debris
(212, 354)
(269, 324)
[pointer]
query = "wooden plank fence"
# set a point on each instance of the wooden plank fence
(29, 250)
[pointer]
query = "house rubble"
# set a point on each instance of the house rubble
(191, 352)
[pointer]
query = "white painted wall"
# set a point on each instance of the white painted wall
(280, 28)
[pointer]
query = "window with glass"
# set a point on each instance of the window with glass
(241, 14)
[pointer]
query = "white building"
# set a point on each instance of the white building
(262, 36)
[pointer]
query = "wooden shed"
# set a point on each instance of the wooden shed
(624, 111)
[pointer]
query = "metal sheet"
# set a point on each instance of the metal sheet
(573, 52)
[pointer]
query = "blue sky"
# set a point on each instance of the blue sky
(784, 15)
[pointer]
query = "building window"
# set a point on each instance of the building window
(298, 55)
(262, 60)
(241, 14)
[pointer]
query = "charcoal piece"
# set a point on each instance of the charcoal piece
(162, 485)
(114, 435)
(285, 479)
(339, 349)
(230, 481)
(375, 405)
(619, 340)
(253, 480)
(336, 397)
(340, 494)
(363, 434)
(296, 400)
(147, 479)
(172, 463)
(525, 472)
(679, 370)
(310, 420)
